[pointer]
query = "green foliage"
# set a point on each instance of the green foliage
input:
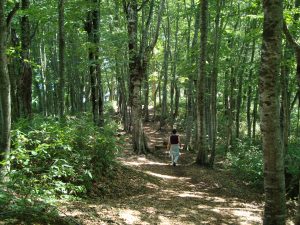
(247, 161)
(16, 209)
(51, 158)
(292, 160)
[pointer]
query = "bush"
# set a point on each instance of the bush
(292, 173)
(247, 161)
(15, 209)
(51, 158)
(293, 160)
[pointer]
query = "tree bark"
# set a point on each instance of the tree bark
(174, 70)
(138, 63)
(14, 71)
(135, 78)
(92, 28)
(249, 92)
(202, 156)
(274, 182)
(163, 115)
(254, 115)
(239, 98)
(5, 91)
(214, 81)
(191, 56)
(26, 72)
(61, 65)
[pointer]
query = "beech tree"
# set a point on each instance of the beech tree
(274, 182)
(26, 70)
(202, 157)
(92, 28)
(139, 56)
(5, 91)
(61, 44)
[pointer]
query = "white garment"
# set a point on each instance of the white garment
(174, 152)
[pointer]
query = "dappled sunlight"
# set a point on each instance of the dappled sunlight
(168, 177)
(245, 216)
(166, 195)
(187, 194)
(156, 163)
(152, 186)
(171, 220)
(74, 213)
(140, 161)
(129, 216)
(251, 215)
(217, 199)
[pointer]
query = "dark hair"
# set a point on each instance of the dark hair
(174, 131)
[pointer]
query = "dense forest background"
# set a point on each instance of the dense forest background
(76, 73)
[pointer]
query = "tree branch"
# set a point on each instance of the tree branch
(34, 31)
(160, 12)
(125, 7)
(294, 100)
(290, 38)
(143, 4)
(12, 13)
(146, 30)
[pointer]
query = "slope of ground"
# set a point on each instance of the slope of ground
(151, 191)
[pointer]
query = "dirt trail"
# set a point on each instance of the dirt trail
(185, 194)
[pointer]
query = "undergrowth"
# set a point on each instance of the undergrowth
(55, 159)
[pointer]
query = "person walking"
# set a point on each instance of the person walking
(174, 146)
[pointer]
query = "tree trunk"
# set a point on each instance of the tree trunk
(202, 156)
(43, 63)
(284, 108)
(26, 73)
(61, 65)
(214, 82)
(135, 79)
(249, 92)
(229, 107)
(254, 115)
(177, 97)
(174, 71)
(298, 212)
(274, 183)
(92, 28)
(146, 93)
(163, 115)
(239, 104)
(138, 63)
(191, 57)
(5, 91)
(14, 71)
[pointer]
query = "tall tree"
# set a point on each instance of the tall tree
(192, 59)
(214, 79)
(139, 57)
(92, 28)
(5, 92)
(274, 182)
(26, 70)
(61, 67)
(202, 156)
(174, 80)
(164, 110)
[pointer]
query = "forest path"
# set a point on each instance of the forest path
(167, 195)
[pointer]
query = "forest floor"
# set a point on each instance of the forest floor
(149, 190)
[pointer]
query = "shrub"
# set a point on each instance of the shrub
(247, 161)
(292, 172)
(50, 157)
